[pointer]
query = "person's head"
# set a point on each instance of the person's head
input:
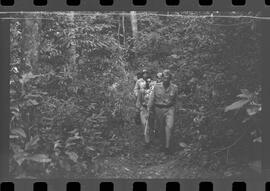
(167, 76)
(159, 76)
(148, 81)
(145, 74)
(139, 75)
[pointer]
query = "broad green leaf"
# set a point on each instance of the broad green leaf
(13, 136)
(243, 96)
(32, 96)
(16, 148)
(252, 110)
(20, 157)
(73, 131)
(42, 158)
(73, 156)
(70, 139)
(258, 139)
(245, 120)
(245, 91)
(90, 148)
(15, 108)
(12, 92)
(18, 131)
(32, 143)
(182, 144)
(236, 105)
(32, 102)
(26, 77)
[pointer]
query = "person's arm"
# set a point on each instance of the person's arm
(151, 100)
(174, 99)
(136, 88)
(139, 100)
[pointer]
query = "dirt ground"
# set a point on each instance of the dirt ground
(151, 163)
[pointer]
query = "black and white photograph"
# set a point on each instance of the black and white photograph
(135, 95)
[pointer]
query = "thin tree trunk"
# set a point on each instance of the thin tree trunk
(71, 67)
(134, 26)
(31, 41)
(119, 27)
(124, 31)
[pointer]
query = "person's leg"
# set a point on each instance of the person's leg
(169, 125)
(138, 117)
(138, 111)
(146, 132)
(144, 121)
(160, 122)
(151, 122)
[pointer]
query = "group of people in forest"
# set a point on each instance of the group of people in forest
(155, 103)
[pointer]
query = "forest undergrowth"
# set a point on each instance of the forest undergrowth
(72, 105)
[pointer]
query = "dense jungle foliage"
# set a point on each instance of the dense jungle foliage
(72, 78)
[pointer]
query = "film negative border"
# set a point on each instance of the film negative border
(150, 5)
(134, 2)
(137, 186)
(107, 5)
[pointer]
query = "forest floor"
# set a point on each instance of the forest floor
(151, 163)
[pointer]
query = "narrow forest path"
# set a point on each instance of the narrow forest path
(151, 163)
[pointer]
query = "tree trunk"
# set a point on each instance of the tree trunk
(134, 26)
(71, 69)
(124, 30)
(31, 41)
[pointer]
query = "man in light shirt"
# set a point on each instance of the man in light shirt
(162, 103)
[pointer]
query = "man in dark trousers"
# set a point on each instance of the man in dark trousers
(162, 103)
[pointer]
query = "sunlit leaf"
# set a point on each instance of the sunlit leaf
(245, 120)
(73, 131)
(26, 77)
(16, 148)
(245, 91)
(243, 96)
(236, 105)
(258, 139)
(42, 158)
(32, 102)
(12, 92)
(18, 131)
(252, 110)
(32, 143)
(20, 157)
(90, 148)
(182, 144)
(73, 156)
